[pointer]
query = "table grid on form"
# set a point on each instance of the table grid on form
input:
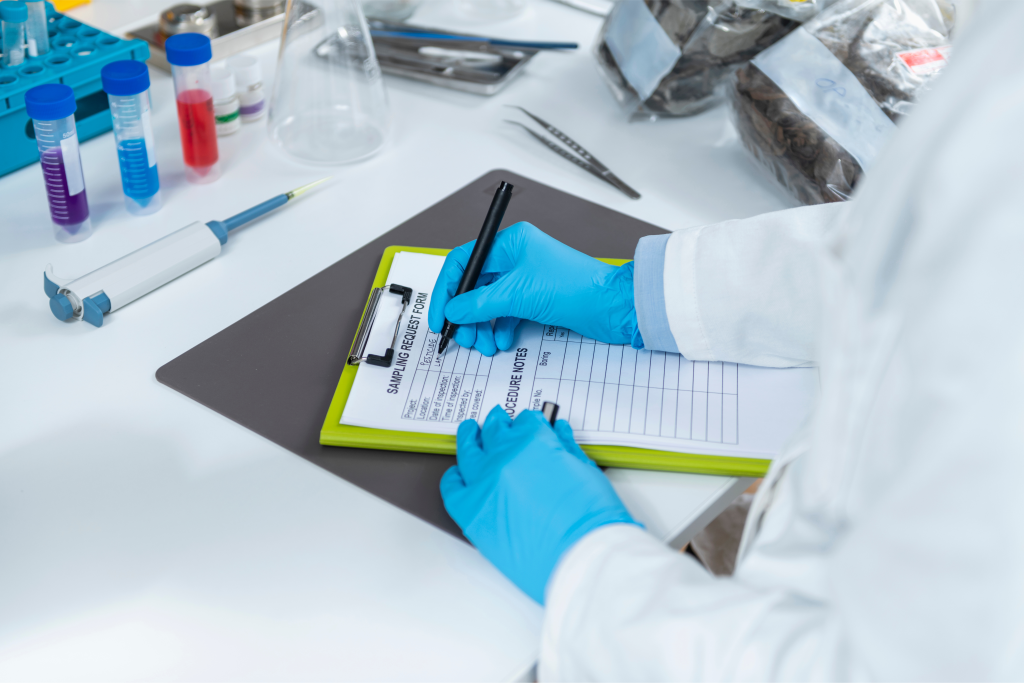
(599, 387)
(447, 387)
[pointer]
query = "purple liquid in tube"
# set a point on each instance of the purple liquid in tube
(68, 211)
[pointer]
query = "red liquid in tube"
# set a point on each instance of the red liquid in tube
(198, 129)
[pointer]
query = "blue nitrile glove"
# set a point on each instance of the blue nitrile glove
(530, 275)
(523, 493)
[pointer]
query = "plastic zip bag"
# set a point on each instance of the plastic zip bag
(797, 10)
(815, 108)
(673, 57)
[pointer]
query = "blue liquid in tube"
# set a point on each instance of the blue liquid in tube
(139, 180)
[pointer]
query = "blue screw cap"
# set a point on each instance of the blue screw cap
(50, 102)
(61, 307)
(13, 11)
(125, 77)
(188, 49)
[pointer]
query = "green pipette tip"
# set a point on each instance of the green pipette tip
(296, 192)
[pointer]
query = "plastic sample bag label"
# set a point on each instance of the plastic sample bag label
(641, 48)
(828, 93)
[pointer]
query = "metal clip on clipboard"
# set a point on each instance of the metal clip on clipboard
(363, 335)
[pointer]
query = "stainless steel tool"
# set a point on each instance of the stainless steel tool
(233, 26)
(582, 158)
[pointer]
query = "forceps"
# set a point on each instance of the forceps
(585, 160)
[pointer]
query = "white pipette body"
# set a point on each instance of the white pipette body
(119, 283)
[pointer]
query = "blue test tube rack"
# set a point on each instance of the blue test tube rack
(77, 53)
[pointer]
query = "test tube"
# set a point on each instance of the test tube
(37, 29)
(225, 102)
(126, 83)
(249, 78)
(52, 110)
(189, 55)
(13, 16)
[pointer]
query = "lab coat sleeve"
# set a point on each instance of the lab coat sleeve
(619, 590)
(893, 548)
(743, 291)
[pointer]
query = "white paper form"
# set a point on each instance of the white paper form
(610, 394)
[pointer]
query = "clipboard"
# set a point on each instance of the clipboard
(275, 371)
(333, 433)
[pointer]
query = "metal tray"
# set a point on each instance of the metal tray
(402, 57)
(234, 35)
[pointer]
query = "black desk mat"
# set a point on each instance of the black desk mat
(275, 370)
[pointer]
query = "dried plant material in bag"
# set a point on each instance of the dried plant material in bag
(673, 57)
(816, 108)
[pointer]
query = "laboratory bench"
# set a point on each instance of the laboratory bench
(144, 536)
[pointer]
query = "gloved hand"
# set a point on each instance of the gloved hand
(529, 275)
(523, 493)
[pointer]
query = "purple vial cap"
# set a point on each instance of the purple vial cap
(50, 102)
(188, 49)
(125, 77)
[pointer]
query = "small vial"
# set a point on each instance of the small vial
(189, 55)
(249, 78)
(13, 17)
(37, 29)
(52, 110)
(225, 102)
(126, 83)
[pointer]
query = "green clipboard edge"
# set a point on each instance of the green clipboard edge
(334, 434)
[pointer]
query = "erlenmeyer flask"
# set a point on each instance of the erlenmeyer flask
(328, 104)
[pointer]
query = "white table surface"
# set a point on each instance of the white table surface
(143, 536)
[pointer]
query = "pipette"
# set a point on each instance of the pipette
(119, 283)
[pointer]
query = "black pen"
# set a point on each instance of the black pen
(480, 251)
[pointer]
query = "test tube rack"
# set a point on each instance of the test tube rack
(77, 53)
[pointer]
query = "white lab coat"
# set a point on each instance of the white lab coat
(894, 545)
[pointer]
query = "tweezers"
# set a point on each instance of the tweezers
(585, 160)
